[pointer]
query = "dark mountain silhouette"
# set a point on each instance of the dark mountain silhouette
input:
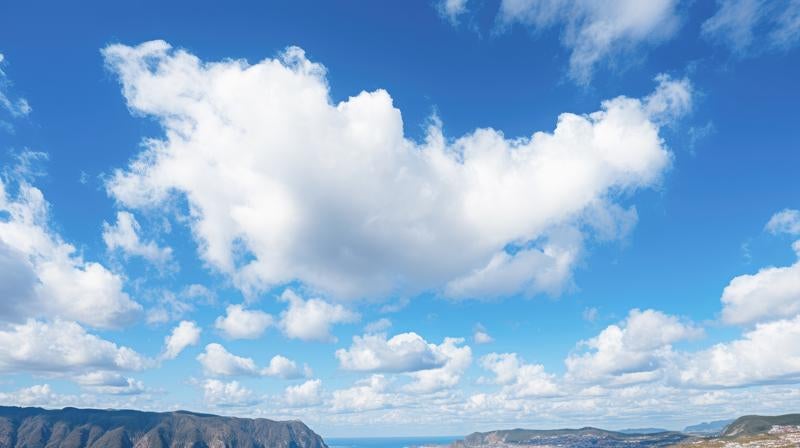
(94, 428)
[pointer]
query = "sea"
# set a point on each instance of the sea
(390, 442)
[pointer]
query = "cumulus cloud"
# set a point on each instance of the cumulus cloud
(520, 380)
(311, 320)
(43, 276)
(239, 323)
(745, 26)
(306, 394)
(772, 292)
(633, 351)
(767, 354)
(232, 394)
(124, 236)
(283, 185)
(217, 361)
(405, 352)
(282, 367)
(594, 31)
(62, 348)
(36, 395)
(457, 358)
(185, 334)
(367, 394)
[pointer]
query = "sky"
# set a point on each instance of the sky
(403, 218)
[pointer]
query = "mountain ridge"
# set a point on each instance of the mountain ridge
(70, 427)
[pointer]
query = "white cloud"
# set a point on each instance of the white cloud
(452, 9)
(590, 314)
(633, 351)
(594, 31)
(405, 352)
(306, 394)
(520, 380)
(111, 383)
(62, 348)
(217, 361)
(232, 394)
(282, 367)
(239, 323)
(769, 353)
(365, 395)
(311, 320)
(43, 276)
(480, 336)
(378, 326)
(16, 107)
(124, 236)
(36, 395)
(785, 221)
(745, 26)
(457, 359)
(285, 186)
(185, 334)
(772, 292)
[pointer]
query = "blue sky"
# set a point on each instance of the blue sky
(403, 218)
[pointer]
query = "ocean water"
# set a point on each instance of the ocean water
(389, 442)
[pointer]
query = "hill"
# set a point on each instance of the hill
(758, 424)
(708, 428)
(94, 428)
(583, 437)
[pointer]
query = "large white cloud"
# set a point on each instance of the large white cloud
(594, 30)
(634, 351)
(240, 323)
(769, 353)
(284, 185)
(43, 276)
(747, 26)
(62, 348)
(772, 292)
(405, 352)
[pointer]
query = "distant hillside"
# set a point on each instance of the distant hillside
(642, 430)
(594, 437)
(93, 428)
(708, 428)
(758, 424)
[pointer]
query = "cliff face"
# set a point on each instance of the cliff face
(92, 428)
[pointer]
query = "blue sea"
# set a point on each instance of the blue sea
(389, 442)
